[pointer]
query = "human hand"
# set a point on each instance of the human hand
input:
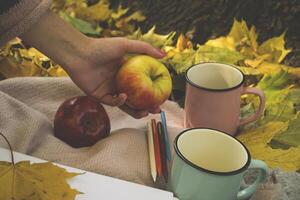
(95, 75)
(91, 63)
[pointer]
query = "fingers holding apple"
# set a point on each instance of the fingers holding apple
(146, 82)
(137, 114)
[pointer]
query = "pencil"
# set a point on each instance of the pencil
(166, 135)
(151, 151)
(156, 147)
(162, 151)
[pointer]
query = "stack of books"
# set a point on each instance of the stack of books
(158, 147)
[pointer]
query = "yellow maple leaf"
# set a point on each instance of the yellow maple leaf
(97, 12)
(180, 60)
(294, 71)
(19, 61)
(253, 37)
(125, 24)
(33, 55)
(257, 141)
(57, 71)
(6, 49)
(243, 36)
(10, 68)
(256, 62)
(119, 12)
(153, 38)
(24, 180)
(272, 68)
(183, 43)
(240, 36)
(275, 48)
(268, 68)
(136, 16)
(237, 31)
(69, 5)
(249, 71)
(223, 42)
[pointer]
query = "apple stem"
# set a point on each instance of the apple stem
(11, 152)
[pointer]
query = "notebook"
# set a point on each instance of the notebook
(96, 186)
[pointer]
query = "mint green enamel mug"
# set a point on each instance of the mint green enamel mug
(209, 165)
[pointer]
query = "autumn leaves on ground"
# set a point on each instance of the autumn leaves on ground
(275, 138)
(35, 181)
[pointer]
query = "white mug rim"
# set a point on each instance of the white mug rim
(197, 167)
(192, 83)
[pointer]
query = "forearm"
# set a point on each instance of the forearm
(58, 40)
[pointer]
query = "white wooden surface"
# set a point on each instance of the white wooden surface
(96, 186)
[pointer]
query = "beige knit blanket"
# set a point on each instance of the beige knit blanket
(28, 106)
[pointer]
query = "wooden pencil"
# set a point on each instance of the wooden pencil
(151, 151)
(162, 151)
(156, 147)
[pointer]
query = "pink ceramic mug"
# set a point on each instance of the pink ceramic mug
(213, 97)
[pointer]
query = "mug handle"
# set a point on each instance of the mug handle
(262, 99)
(261, 177)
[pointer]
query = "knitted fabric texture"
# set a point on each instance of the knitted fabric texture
(21, 17)
(28, 106)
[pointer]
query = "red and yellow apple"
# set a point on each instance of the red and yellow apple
(81, 121)
(146, 81)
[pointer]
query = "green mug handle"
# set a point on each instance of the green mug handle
(261, 177)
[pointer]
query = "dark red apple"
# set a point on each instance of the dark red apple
(81, 121)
